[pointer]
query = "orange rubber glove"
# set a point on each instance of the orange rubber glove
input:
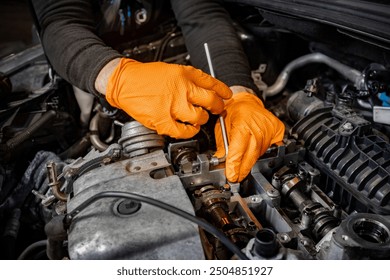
(251, 129)
(171, 99)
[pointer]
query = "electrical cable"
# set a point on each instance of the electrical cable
(203, 224)
(31, 248)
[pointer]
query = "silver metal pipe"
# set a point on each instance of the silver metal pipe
(348, 72)
(54, 184)
(94, 137)
(364, 104)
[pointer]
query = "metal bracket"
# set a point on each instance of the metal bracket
(92, 160)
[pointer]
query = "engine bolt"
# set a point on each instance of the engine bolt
(348, 126)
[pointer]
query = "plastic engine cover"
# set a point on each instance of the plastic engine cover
(355, 163)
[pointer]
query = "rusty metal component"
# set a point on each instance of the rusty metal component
(183, 155)
(99, 118)
(54, 184)
(315, 217)
(215, 204)
(246, 211)
(208, 248)
(92, 160)
(233, 217)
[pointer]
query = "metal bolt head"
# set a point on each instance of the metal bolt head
(273, 193)
(226, 187)
(198, 193)
(347, 126)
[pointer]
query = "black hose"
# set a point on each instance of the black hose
(10, 234)
(31, 248)
(203, 224)
(77, 149)
(21, 137)
(12, 143)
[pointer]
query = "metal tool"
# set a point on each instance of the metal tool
(215, 160)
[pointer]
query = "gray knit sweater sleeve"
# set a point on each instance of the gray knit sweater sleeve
(207, 21)
(78, 54)
(68, 36)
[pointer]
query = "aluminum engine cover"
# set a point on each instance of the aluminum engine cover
(100, 232)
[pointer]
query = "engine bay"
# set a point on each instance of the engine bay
(80, 179)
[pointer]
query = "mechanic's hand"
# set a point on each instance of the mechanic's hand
(171, 99)
(251, 130)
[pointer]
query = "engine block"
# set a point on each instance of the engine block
(123, 229)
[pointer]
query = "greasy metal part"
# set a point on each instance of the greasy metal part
(240, 236)
(203, 174)
(92, 160)
(311, 87)
(111, 136)
(214, 160)
(214, 202)
(98, 232)
(313, 215)
(45, 200)
(289, 153)
(360, 236)
(234, 187)
(118, 123)
(208, 248)
(257, 77)
(54, 184)
(291, 189)
(296, 180)
(137, 140)
(94, 129)
(245, 210)
(195, 169)
(364, 104)
(312, 175)
(141, 16)
(183, 155)
(322, 222)
(266, 190)
(348, 72)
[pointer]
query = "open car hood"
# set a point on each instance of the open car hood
(365, 20)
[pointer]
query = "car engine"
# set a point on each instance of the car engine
(82, 180)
